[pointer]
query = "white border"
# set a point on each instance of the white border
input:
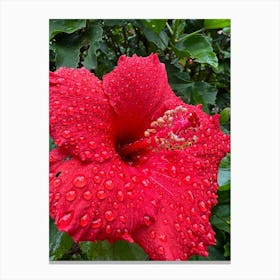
(24, 138)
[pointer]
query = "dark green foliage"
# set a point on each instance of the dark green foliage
(196, 54)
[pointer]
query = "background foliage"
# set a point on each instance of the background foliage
(196, 54)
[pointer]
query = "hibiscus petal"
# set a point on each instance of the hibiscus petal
(138, 91)
(99, 201)
(183, 149)
(79, 115)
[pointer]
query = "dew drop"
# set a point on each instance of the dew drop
(162, 237)
(160, 250)
(120, 195)
(177, 226)
(109, 216)
(84, 221)
(181, 217)
(92, 144)
(115, 205)
(146, 183)
(96, 223)
(80, 181)
(202, 206)
(66, 134)
(123, 219)
(87, 195)
(190, 195)
(108, 229)
(57, 196)
(172, 170)
(97, 179)
(154, 203)
(188, 179)
(71, 195)
(101, 194)
(165, 221)
(109, 184)
(56, 182)
(153, 234)
(147, 220)
(130, 194)
(65, 220)
(128, 186)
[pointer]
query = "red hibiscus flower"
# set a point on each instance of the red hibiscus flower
(133, 161)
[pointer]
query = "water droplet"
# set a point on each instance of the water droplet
(71, 195)
(190, 195)
(108, 229)
(147, 220)
(160, 250)
(180, 217)
(66, 134)
(146, 183)
(211, 237)
(129, 186)
(188, 220)
(165, 221)
(202, 206)
(162, 210)
(109, 216)
(96, 223)
(120, 195)
(101, 194)
(123, 219)
(57, 196)
(65, 220)
(109, 184)
(56, 182)
(153, 234)
(154, 203)
(80, 181)
(130, 194)
(195, 227)
(87, 195)
(171, 205)
(206, 182)
(177, 226)
(115, 205)
(172, 170)
(97, 179)
(84, 221)
(192, 210)
(197, 164)
(162, 237)
(188, 179)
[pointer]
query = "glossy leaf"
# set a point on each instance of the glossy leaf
(157, 25)
(223, 176)
(200, 49)
(68, 26)
(119, 250)
(225, 115)
(95, 37)
(216, 23)
(59, 242)
(221, 217)
(68, 50)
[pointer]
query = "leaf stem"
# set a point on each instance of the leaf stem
(188, 35)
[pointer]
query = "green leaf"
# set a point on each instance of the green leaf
(223, 176)
(157, 25)
(59, 242)
(227, 249)
(67, 50)
(119, 250)
(200, 49)
(225, 162)
(52, 145)
(225, 116)
(216, 23)
(203, 93)
(95, 37)
(223, 196)
(68, 26)
(221, 217)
